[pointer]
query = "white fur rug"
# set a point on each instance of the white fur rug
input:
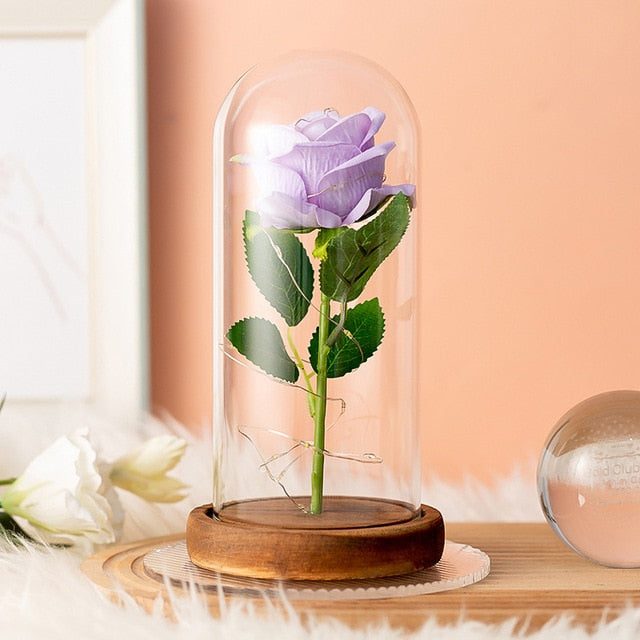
(43, 593)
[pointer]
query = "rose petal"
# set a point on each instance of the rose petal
(313, 160)
(373, 197)
(328, 219)
(275, 140)
(340, 190)
(314, 124)
(353, 129)
(376, 117)
(281, 211)
(274, 177)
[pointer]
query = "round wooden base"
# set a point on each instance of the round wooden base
(256, 550)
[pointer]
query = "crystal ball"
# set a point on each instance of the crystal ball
(589, 478)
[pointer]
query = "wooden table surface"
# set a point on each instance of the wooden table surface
(534, 576)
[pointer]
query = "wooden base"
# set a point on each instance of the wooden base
(247, 547)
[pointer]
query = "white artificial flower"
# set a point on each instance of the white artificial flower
(64, 496)
(143, 471)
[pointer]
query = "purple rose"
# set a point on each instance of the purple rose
(322, 171)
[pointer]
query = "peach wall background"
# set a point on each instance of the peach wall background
(530, 261)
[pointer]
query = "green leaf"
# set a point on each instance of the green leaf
(359, 340)
(354, 255)
(322, 240)
(280, 267)
(260, 342)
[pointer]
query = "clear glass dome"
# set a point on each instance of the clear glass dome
(315, 296)
(589, 478)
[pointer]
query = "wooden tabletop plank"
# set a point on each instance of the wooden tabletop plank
(534, 576)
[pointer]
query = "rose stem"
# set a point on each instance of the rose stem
(307, 378)
(317, 467)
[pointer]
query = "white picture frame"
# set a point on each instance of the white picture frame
(112, 36)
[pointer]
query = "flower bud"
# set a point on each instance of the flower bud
(143, 471)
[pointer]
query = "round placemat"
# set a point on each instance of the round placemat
(460, 565)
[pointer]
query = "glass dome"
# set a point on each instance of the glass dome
(315, 296)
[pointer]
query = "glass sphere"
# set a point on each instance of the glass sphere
(589, 478)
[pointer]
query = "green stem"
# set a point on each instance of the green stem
(317, 465)
(307, 378)
(339, 328)
(7, 481)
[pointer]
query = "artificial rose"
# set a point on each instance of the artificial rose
(323, 171)
(64, 496)
(143, 471)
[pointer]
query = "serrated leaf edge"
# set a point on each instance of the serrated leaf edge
(333, 319)
(249, 234)
(357, 232)
(255, 364)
